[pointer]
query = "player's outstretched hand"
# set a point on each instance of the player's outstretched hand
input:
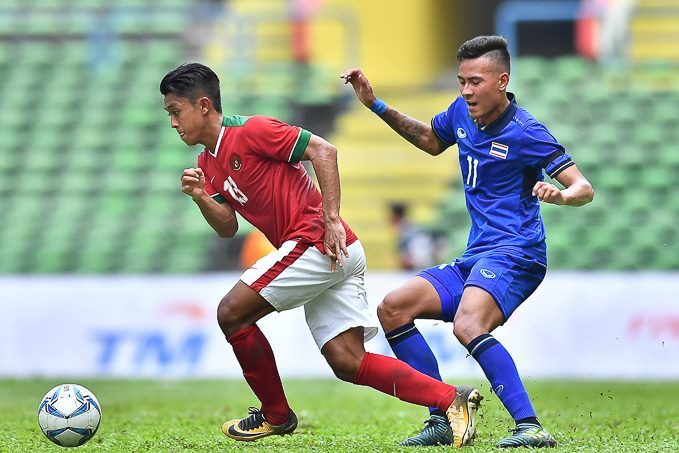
(361, 85)
(548, 193)
(335, 243)
(193, 182)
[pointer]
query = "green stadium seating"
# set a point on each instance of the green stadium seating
(89, 167)
(11, 260)
(84, 143)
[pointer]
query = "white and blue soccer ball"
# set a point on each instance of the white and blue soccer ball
(69, 415)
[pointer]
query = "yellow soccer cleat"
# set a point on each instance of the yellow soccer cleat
(462, 415)
(255, 426)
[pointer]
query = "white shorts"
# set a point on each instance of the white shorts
(299, 274)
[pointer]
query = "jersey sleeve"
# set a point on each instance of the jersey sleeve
(209, 188)
(274, 139)
(541, 150)
(444, 127)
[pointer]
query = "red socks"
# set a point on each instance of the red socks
(382, 373)
(257, 361)
(399, 379)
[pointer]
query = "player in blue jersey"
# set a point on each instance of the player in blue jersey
(503, 152)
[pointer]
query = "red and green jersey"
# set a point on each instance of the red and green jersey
(255, 168)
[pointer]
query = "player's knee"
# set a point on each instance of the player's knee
(229, 319)
(391, 312)
(343, 362)
(466, 329)
(345, 367)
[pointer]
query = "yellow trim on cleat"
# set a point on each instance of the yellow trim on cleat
(462, 415)
(255, 427)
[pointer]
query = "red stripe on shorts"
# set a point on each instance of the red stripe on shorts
(279, 267)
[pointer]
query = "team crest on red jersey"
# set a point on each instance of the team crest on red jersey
(236, 162)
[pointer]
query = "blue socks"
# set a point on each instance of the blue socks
(501, 371)
(410, 347)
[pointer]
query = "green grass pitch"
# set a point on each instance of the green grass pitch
(178, 416)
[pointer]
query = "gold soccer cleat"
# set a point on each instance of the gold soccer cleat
(462, 415)
(255, 426)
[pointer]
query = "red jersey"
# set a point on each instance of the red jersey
(255, 168)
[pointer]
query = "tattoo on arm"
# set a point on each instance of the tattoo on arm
(416, 132)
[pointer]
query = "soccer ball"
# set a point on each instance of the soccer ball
(69, 415)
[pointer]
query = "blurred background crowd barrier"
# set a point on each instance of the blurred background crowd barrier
(577, 325)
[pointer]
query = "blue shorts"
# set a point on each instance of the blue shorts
(509, 276)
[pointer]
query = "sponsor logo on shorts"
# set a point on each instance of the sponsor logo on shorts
(498, 390)
(488, 274)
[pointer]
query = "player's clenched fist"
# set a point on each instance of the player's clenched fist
(548, 193)
(193, 182)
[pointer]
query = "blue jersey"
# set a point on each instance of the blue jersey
(500, 164)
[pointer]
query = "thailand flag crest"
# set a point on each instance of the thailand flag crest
(499, 150)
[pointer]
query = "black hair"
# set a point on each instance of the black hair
(495, 47)
(192, 80)
(398, 209)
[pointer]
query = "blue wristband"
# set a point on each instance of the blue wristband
(378, 107)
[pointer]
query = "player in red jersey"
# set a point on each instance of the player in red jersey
(251, 165)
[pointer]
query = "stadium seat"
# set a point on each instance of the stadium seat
(573, 70)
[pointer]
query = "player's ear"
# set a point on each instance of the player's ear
(204, 105)
(503, 81)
